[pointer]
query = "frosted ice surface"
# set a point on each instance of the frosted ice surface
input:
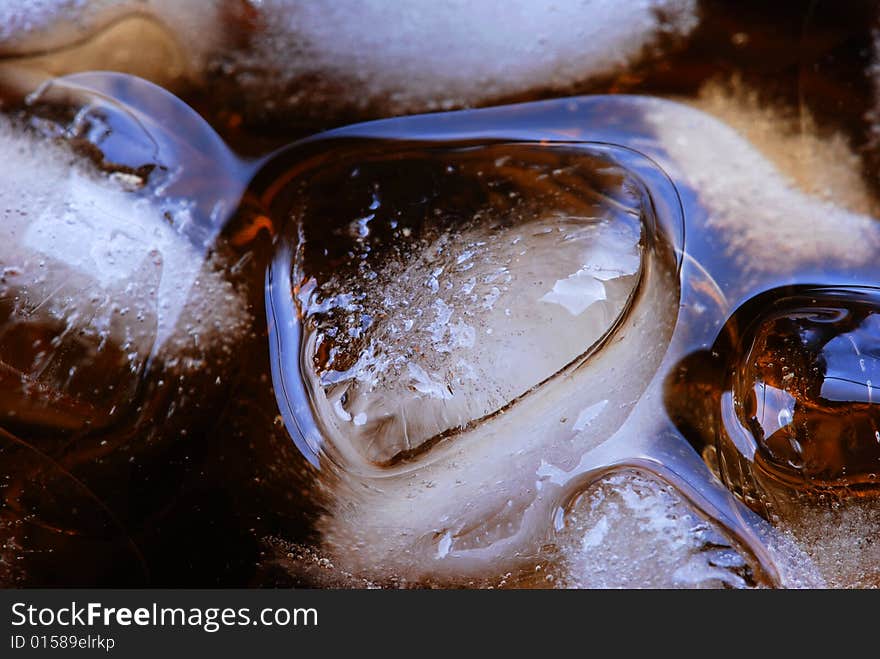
(400, 56)
(435, 55)
(841, 540)
(95, 278)
(822, 164)
(873, 115)
(630, 530)
(755, 196)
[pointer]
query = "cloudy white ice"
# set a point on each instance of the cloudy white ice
(100, 274)
(364, 57)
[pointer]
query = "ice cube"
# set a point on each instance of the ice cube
(397, 58)
(479, 495)
(441, 327)
(840, 538)
(797, 419)
(96, 285)
(766, 208)
(337, 58)
(631, 530)
(457, 304)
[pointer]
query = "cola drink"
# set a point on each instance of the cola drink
(622, 333)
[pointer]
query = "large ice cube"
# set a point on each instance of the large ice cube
(411, 56)
(465, 320)
(453, 305)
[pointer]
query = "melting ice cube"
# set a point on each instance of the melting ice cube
(482, 276)
(630, 530)
(364, 57)
(95, 286)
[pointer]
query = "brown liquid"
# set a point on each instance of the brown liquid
(181, 476)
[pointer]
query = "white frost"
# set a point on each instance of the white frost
(407, 55)
(405, 52)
